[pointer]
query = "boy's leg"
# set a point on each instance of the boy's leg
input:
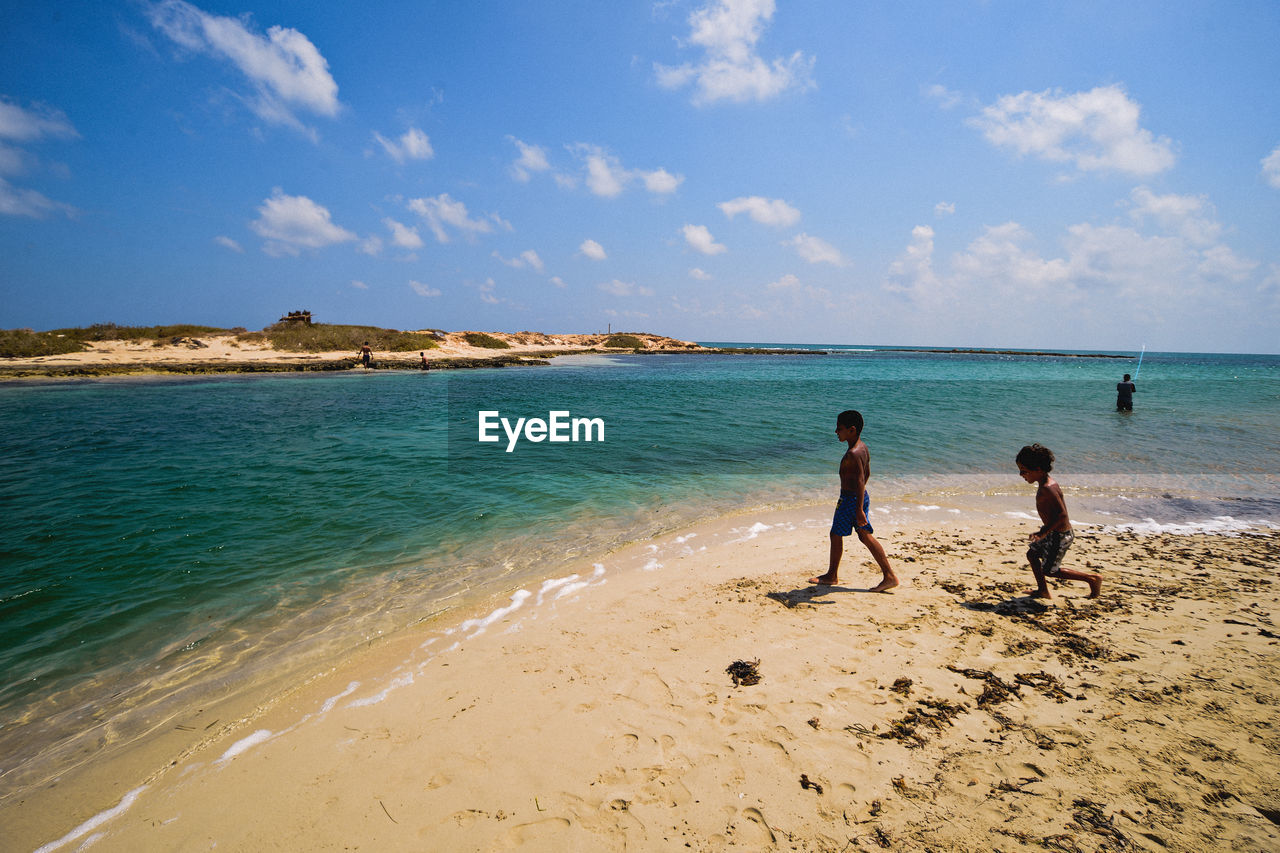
(1042, 586)
(1093, 580)
(890, 580)
(833, 568)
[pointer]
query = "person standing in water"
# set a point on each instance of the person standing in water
(1124, 395)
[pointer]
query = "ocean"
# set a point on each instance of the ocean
(170, 542)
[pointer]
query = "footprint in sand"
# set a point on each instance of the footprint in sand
(542, 834)
(753, 828)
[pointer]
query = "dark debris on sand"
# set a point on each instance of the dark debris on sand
(744, 672)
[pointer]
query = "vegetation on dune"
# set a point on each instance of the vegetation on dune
(25, 343)
(292, 337)
(480, 339)
(325, 337)
(623, 342)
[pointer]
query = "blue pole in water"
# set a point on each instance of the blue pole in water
(1138, 369)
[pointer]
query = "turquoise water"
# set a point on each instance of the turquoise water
(166, 541)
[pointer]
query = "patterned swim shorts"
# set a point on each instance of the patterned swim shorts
(1050, 549)
(846, 514)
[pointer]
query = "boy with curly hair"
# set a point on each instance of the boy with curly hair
(1054, 537)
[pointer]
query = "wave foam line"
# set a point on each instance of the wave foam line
(94, 822)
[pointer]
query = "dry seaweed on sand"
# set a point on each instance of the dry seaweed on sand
(1047, 684)
(995, 690)
(902, 686)
(929, 714)
(806, 784)
(744, 672)
(1091, 817)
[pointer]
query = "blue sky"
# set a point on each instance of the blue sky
(1056, 175)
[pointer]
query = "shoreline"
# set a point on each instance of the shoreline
(225, 354)
(618, 665)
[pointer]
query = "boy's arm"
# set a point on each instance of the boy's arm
(857, 484)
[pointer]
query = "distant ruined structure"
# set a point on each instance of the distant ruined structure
(303, 317)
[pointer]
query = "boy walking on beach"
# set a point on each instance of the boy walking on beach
(1054, 537)
(851, 510)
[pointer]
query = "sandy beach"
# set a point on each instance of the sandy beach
(228, 353)
(598, 712)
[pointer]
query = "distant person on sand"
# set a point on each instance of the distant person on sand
(1051, 541)
(426, 365)
(1124, 395)
(365, 354)
(851, 510)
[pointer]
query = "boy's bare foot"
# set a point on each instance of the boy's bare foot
(1095, 586)
(1035, 593)
(885, 585)
(824, 580)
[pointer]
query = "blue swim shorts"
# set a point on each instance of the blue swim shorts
(846, 513)
(1050, 550)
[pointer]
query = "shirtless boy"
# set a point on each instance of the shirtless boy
(1051, 541)
(851, 511)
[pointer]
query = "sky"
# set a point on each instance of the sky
(1065, 175)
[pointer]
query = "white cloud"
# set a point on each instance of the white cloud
(798, 292)
(1189, 216)
(29, 125)
(699, 274)
(592, 250)
(1271, 168)
(816, 250)
(13, 161)
(608, 178)
(946, 98)
(533, 158)
(527, 258)
(605, 176)
(371, 245)
(661, 182)
(624, 288)
(359, 285)
(1162, 263)
(766, 211)
(944, 208)
(731, 69)
(227, 242)
(486, 289)
(442, 210)
(16, 201)
(293, 222)
(403, 235)
(285, 69)
(913, 270)
(1222, 264)
(1096, 130)
(699, 237)
(424, 290)
(413, 144)
(557, 281)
